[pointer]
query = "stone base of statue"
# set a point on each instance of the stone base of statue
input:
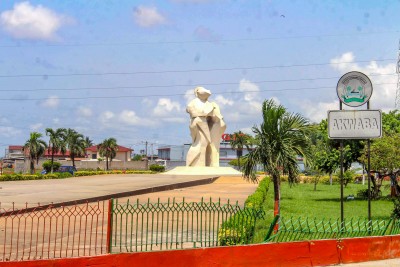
(214, 171)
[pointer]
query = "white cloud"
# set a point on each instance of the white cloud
(251, 89)
(27, 21)
(244, 107)
(147, 102)
(84, 112)
(384, 84)
(8, 131)
(189, 95)
(222, 101)
(36, 126)
(56, 120)
(148, 16)
(165, 106)
(125, 118)
(51, 102)
(316, 112)
(176, 120)
(129, 117)
(106, 117)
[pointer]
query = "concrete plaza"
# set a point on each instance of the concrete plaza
(91, 188)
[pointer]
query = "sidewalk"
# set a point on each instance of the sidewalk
(384, 263)
(91, 188)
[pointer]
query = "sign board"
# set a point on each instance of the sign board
(354, 89)
(354, 124)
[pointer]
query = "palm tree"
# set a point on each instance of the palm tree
(108, 149)
(281, 138)
(35, 148)
(76, 144)
(56, 142)
(238, 141)
(88, 142)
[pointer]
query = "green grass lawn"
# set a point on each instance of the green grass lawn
(301, 200)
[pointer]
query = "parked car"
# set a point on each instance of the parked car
(70, 169)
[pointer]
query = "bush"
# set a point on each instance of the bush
(256, 199)
(348, 177)
(326, 179)
(156, 168)
(234, 162)
(47, 166)
(239, 229)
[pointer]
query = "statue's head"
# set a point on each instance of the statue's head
(202, 93)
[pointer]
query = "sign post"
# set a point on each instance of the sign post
(354, 89)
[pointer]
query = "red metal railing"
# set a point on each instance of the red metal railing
(45, 232)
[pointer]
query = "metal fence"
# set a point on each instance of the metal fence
(176, 225)
(45, 232)
(295, 229)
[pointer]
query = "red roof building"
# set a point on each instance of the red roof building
(123, 153)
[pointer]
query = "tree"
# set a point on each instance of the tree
(56, 142)
(35, 148)
(238, 141)
(108, 149)
(76, 144)
(352, 151)
(385, 158)
(281, 138)
(88, 142)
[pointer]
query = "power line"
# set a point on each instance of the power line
(176, 85)
(199, 41)
(170, 95)
(185, 71)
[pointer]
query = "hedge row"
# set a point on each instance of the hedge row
(21, 177)
(91, 173)
(239, 229)
(57, 175)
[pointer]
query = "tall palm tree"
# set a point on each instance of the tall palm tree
(108, 149)
(88, 142)
(238, 141)
(35, 148)
(56, 142)
(281, 138)
(76, 144)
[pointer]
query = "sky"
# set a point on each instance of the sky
(127, 69)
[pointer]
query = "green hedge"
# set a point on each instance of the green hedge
(22, 177)
(58, 175)
(256, 199)
(157, 168)
(234, 231)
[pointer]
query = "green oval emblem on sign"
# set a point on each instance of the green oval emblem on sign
(354, 89)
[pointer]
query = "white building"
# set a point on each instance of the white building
(175, 155)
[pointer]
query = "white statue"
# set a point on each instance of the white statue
(206, 127)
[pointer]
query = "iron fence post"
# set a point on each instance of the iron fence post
(109, 225)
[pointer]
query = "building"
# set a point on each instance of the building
(14, 153)
(123, 153)
(175, 155)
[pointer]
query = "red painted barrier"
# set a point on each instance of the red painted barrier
(312, 253)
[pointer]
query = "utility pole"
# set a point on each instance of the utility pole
(397, 101)
(147, 159)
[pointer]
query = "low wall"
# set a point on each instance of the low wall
(311, 253)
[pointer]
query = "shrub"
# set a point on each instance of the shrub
(326, 179)
(239, 229)
(256, 199)
(47, 166)
(234, 162)
(348, 177)
(156, 168)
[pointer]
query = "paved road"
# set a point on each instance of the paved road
(78, 188)
(384, 263)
